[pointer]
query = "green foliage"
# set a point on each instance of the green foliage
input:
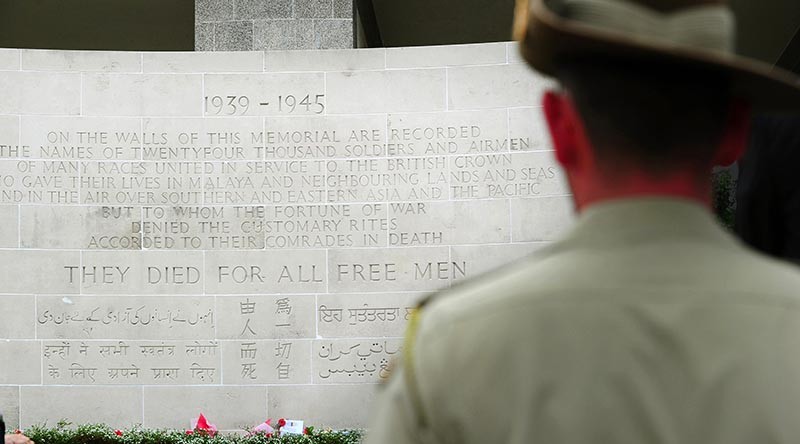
(64, 433)
(724, 198)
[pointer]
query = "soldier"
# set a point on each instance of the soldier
(647, 323)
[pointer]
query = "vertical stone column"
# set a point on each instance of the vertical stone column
(246, 25)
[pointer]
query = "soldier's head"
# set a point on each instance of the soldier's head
(651, 91)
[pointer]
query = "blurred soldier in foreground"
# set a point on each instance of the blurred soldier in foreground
(647, 323)
(768, 193)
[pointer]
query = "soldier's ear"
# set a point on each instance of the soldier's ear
(736, 134)
(560, 117)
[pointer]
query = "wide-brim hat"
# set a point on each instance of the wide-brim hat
(681, 33)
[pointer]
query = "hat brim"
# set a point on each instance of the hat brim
(549, 38)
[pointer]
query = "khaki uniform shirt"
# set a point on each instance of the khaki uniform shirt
(647, 324)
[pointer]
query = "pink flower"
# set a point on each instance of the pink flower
(118, 432)
(204, 426)
(264, 427)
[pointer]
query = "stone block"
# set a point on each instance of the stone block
(267, 362)
(105, 61)
(233, 61)
(362, 92)
(364, 315)
(333, 34)
(337, 137)
(453, 132)
(283, 34)
(326, 60)
(82, 138)
(126, 317)
(321, 405)
(230, 408)
(528, 127)
(393, 269)
(204, 36)
(38, 271)
(313, 8)
(19, 316)
(494, 86)
(117, 407)
(544, 219)
(84, 362)
(9, 220)
(263, 9)
(534, 174)
(233, 36)
(252, 317)
(139, 272)
(343, 9)
(254, 272)
(77, 227)
(446, 55)
(142, 95)
(21, 363)
(9, 59)
(9, 135)
(213, 10)
(441, 223)
(484, 258)
(40, 93)
(300, 94)
(9, 405)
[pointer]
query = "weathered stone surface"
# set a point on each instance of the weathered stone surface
(446, 55)
(325, 60)
(304, 401)
(21, 365)
(313, 8)
(9, 59)
(386, 91)
(283, 34)
(333, 34)
(40, 93)
(142, 95)
(232, 408)
(204, 36)
(233, 36)
(9, 405)
(213, 10)
(235, 61)
(117, 407)
(106, 61)
(19, 311)
(244, 233)
(262, 9)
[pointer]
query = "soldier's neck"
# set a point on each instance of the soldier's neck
(594, 188)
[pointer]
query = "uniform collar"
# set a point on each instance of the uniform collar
(640, 220)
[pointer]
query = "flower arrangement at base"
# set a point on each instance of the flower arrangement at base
(67, 433)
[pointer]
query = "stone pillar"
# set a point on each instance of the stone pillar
(247, 25)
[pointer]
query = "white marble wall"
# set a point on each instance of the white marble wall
(243, 233)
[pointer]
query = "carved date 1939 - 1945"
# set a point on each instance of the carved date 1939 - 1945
(231, 105)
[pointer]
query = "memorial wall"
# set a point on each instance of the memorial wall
(244, 234)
